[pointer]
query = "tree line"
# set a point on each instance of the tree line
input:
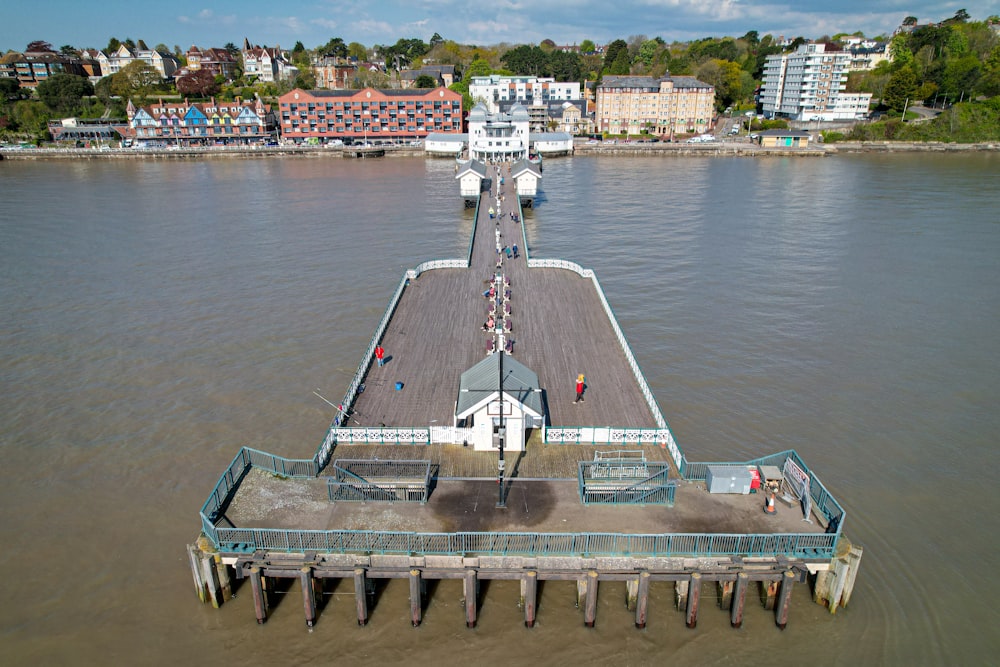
(944, 63)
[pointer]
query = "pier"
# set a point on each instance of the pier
(419, 477)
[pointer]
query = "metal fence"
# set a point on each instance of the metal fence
(813, 545)
(363, 480)
(625, 482)
(822, 500)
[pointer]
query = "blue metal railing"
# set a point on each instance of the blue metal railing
(812, 545)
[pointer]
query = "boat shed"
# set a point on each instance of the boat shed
(783, 138)
(480, 402)
(471, 179)
(526, 175)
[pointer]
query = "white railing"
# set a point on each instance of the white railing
(381, 435)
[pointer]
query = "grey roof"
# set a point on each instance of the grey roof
(550, 136)
(471, 165)
(478, 113)
(447, 136)
(522, 166)
(519, 113)
(651, 83)
(480, 385)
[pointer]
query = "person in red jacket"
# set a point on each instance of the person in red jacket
(379, 354)
(581, 384)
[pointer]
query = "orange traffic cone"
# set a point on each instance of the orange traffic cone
(769, 505)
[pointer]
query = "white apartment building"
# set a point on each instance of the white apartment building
(809, 85)
(499, 92)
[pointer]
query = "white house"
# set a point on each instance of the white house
(481, 403)
(526, 175)
(497, 91)
(471, 175)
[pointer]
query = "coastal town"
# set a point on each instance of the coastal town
(790, 94)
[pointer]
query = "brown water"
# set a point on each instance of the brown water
(158, 315)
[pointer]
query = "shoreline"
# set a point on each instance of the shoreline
(721, 149)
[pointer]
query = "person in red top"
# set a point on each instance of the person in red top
(581, 383)
(379, 354)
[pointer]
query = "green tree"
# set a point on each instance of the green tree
(587, 46)
(113, 45)
(135, 81)
(477, 67)
(9, 89)
(62, 93)
(436, 40)
(425, 81)
(611, 53)
(901, 86)
(335, 47)
(357, 50)
(622, 64)
(305, 79)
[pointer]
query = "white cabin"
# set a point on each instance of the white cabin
(480, 402)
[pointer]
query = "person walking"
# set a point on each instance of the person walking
(379, 355)
(581, 384)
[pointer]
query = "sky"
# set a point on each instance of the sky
(185, 23)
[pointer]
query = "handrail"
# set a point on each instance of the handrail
(818, 546)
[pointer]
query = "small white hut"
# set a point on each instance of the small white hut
(471, 177)
(481, 403)
(526, 175)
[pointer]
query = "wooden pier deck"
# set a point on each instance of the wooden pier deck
(560, 329)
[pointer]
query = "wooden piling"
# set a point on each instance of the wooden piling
(768, 591)
(725, 590)
(681, 594)
(259, 598)
(694, 597)
(641, 600)
(361, 595)
(529, 592)
(739, 599)
(470, 587)
(784, 599)
(308, 595)
(209, 577)
(631, 593)
(225, 582)
(416, 599)
(590, 607)
(194, 557)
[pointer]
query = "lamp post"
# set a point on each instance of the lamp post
(501, 433)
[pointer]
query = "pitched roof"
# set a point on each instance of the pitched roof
(480, 385)
(474, 166)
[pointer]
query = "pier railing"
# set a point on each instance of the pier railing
(795, 545)
(246, 459)
(822, 500)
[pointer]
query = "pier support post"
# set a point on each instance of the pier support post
(194, 557)
(768, 591)
(739, 599)
(361, 595)
(470, 587)
(725, 594)
(631, 593)
(784, 599)
(834, 586)
(259, 596)
(681, 594)
(641, 600)
(308, 595)
(590, 606)
(416, 599)
(529, 594)
(225, 583)
(209, 577)
(694, 597)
